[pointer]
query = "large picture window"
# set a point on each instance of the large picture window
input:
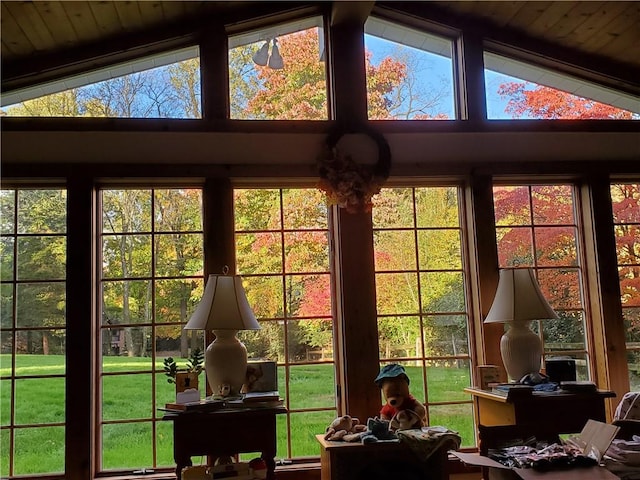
(520, 91)
(421, 284)
(282, 250)
(409, 73)
(32, 331)
(152, 278)
(625, 198)
(279, 73)
(536, 227)
(162, 86)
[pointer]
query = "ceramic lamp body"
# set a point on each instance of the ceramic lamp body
(521, 350)
(226, 363)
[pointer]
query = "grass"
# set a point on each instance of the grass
(127, 398)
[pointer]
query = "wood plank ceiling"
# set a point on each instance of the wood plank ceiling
(45, 36)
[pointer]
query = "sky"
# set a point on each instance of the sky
(436, 67)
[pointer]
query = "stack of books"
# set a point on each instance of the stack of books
(511, 390)
(257, 400)
(205, 405)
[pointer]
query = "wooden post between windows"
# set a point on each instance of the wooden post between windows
(608, 332)
(358, 329)
(81, 326)
(484, 265)
(214, 68)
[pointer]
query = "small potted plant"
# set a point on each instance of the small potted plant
(187, 378)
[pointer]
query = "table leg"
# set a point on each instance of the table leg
(269, 459)
(180, 464)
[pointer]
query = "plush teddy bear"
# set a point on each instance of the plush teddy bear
(346, 428)
(394, 383)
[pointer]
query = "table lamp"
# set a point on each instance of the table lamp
(518, 302)
(224, 309)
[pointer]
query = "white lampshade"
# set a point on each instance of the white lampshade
(519, 301)
(223, 306)
(225, 310)
(519, 298)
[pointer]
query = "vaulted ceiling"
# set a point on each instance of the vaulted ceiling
(45, 40)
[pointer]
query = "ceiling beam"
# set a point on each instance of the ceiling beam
(347, 11)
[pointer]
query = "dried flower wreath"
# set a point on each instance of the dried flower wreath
(346, 183)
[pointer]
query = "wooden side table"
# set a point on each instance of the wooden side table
(349, 460)
(225, 433)
(562, 412)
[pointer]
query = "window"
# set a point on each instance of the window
(162, 86)
(279, 73)
(536, 227)
(518, 90)
(282, 252)
(421, 283)
(33, 331)
(409, 73)
(626, 218)
(152, 278)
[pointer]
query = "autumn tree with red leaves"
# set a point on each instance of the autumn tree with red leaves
(549, 103)
(626, 214)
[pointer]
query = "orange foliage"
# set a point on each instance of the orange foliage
(299, 92)
(548, 103)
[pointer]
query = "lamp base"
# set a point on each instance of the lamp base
(521, 350)
(226, 363)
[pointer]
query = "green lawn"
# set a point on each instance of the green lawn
(128, 397)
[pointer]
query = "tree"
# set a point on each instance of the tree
(171, 91)
(299, 91)
(63, 104)
(526, 100)
(40, 261)
(626, 213)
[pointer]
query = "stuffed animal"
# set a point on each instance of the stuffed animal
(378, 431)
(344, 428)
(394, 383)
(405, 420)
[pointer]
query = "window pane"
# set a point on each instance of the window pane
(42, 211)
(278, 73)
(455, 417)
(519, 90)
(126, 211)
(41, 257)
(126, 396)
(29, 455)
(40, 305)
(409, 73)
(446, 335)
(451, 376)
(127, 445)
(7, 211)
(166, 85)
(388, 256)
(39, 400)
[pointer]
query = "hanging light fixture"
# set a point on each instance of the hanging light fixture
(262, 55)
(275, 60)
